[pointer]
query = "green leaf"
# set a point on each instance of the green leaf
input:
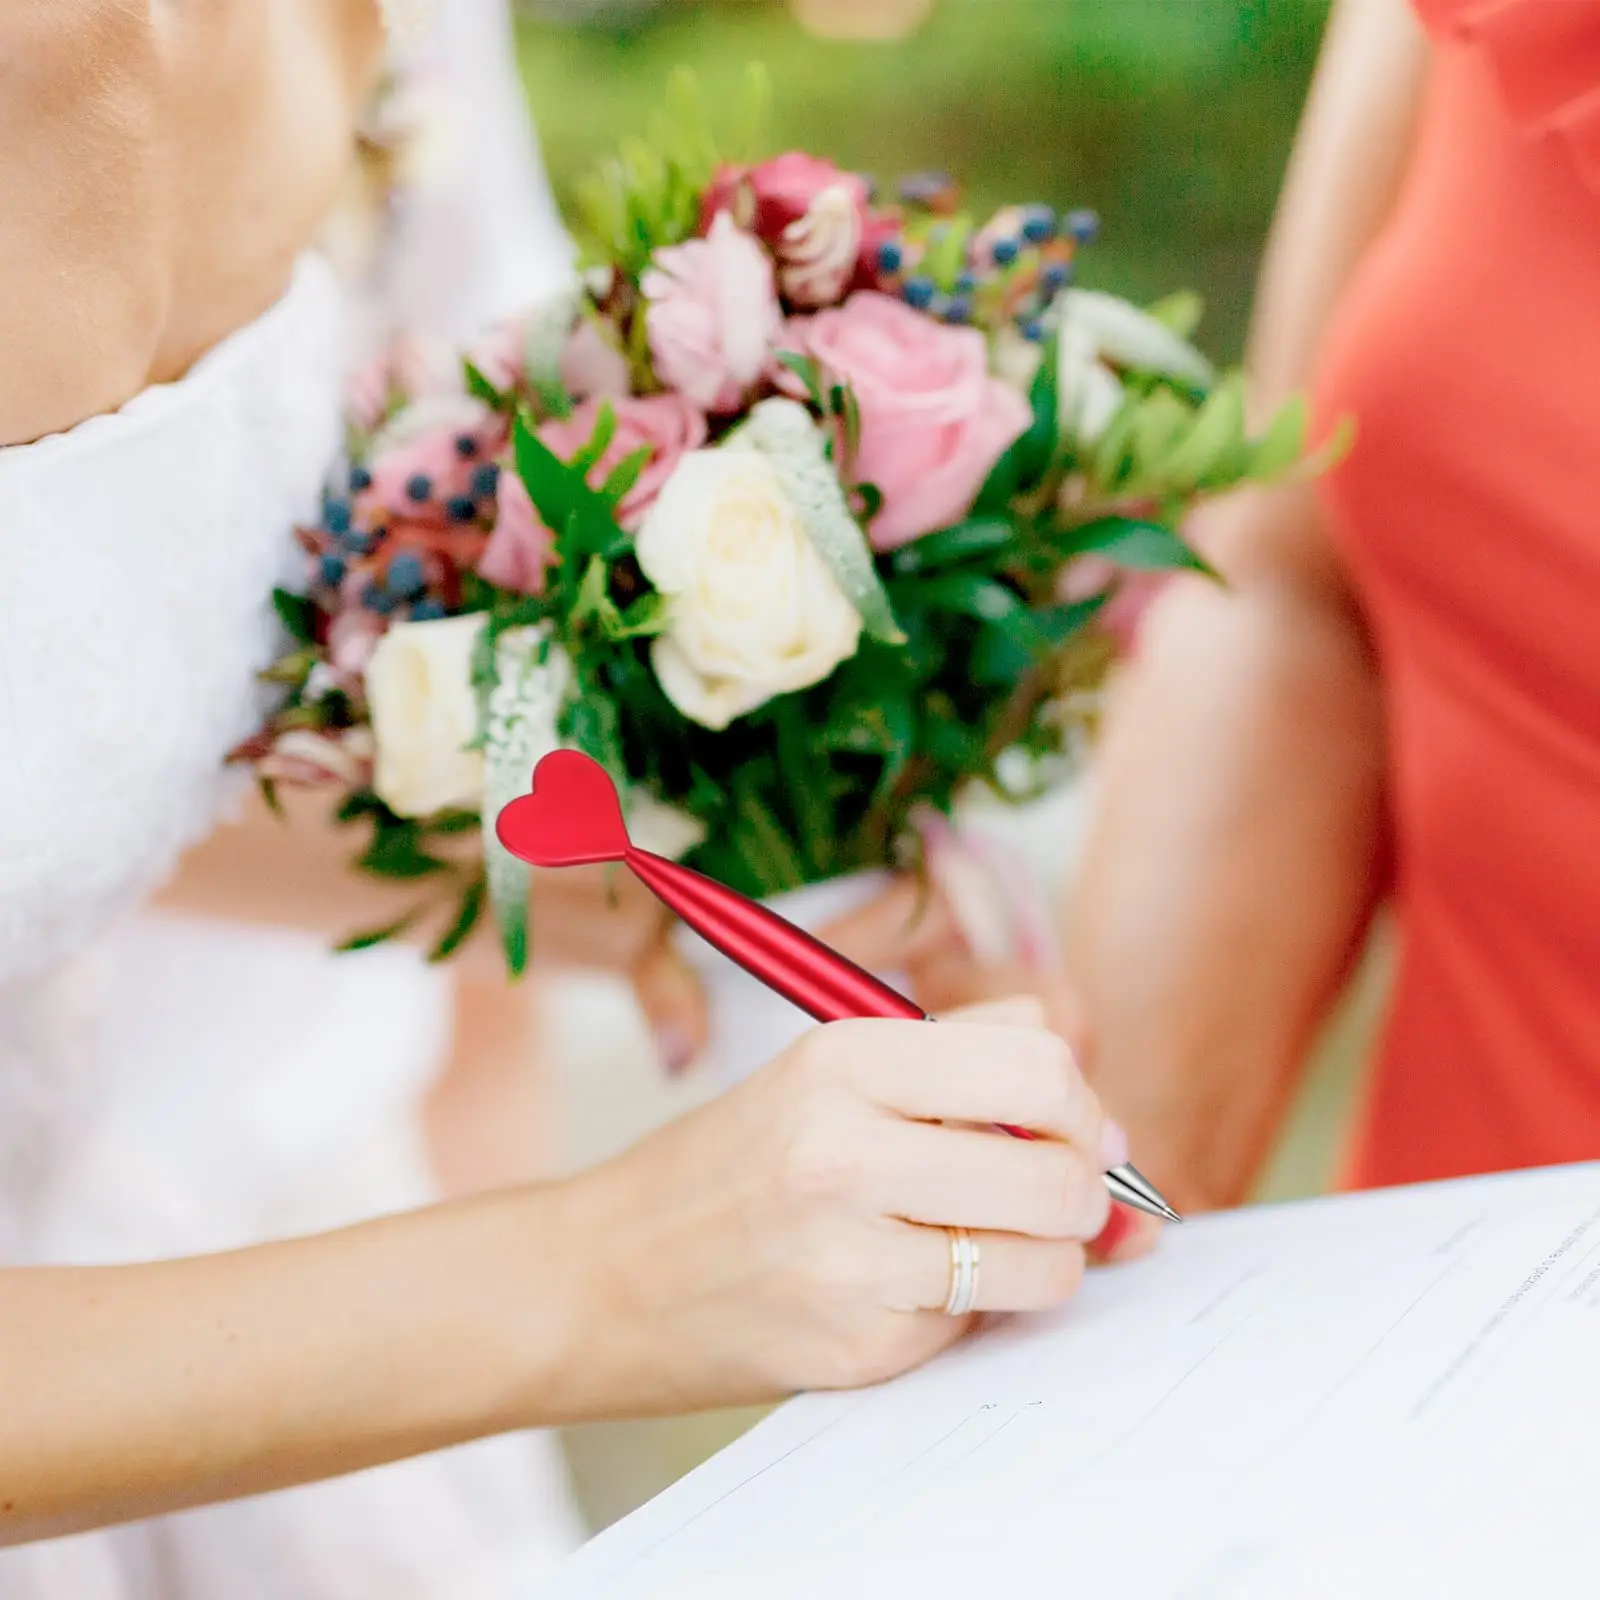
(1217, 430)
(1159, 422)
(1113, 452)
(375, 936)
(466, 919)
(807, 371)
(1035, 450)
(978, 536)
(480, 387)
(451, 822)
(752, 138)
(1180, 312)
(269, 795)
(763, 846)
(605, 430)
(1331, 451)
(645, 618)
(362, 803)
(625, 475)
(396, 852)
(594, 600)
(1146, 546)
(1279, 449)
(564, 500)
(848, 410)
(297, 613)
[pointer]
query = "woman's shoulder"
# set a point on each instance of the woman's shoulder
(81, 292)
(161, 169)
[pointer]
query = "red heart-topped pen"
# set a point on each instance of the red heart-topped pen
(572, 817)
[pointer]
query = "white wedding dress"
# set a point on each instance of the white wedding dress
(168, 1086)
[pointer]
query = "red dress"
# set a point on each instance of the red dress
(1469, 515)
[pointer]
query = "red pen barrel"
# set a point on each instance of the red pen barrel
(820, 981)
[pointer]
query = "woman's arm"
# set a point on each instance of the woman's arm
(1230, 872)
(788, 1235)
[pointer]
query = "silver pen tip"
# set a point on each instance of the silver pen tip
(1130, 1186)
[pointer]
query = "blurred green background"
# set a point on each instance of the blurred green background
(1172, 118)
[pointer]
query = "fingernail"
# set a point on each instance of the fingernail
(1113, 1144)
(1118, 1226)
(676, 1047)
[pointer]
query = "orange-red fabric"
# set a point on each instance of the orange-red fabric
(1469, 514)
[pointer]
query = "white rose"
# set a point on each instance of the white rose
(756, 612)
(424, 715)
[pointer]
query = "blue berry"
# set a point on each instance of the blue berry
(336, 516)
(358, 542)
(360, 479)
(427, 611)
(1056, 275)
(466, 446)
(486, 481)
(890, 256)
(332, 570)
(1084, 226)
(374, 599)
(461, 508)
(1033, 330)
(419, 487)
(406, 577)
(959, 309)
(1040, 226)
(966, 282)
(918, 293)
(1005, 251)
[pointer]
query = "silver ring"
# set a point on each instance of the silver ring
(963, 1273)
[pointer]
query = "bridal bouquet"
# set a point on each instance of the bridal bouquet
(803, 512)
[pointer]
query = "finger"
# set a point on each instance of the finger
(973, 1072)
(673, 1003)
(904, 924)
(1008, 1011)
(1014, 1274)
(1127, 1235)
(976, 1179)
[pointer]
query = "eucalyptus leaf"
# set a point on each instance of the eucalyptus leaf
(784, 433)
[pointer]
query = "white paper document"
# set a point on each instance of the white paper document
(1395, 1393)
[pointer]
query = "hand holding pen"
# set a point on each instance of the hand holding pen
(572, 817)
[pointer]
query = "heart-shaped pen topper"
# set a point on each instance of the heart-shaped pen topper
(571, 818)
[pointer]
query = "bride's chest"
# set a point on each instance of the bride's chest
(137, 560)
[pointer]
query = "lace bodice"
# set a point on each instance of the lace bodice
(138, 552)
(137, 557)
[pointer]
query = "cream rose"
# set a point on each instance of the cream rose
(424, 715)
(756, 612)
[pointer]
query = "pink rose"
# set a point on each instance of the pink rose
(591, 365)
(425, 462)
(933, 420)
(352, 637)
(809, 213)
(713, 317)
(665, 424)
(520, 549)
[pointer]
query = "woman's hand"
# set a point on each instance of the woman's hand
(791, 1234)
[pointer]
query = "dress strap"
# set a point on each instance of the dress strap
(405, 22)
(1545, 56)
